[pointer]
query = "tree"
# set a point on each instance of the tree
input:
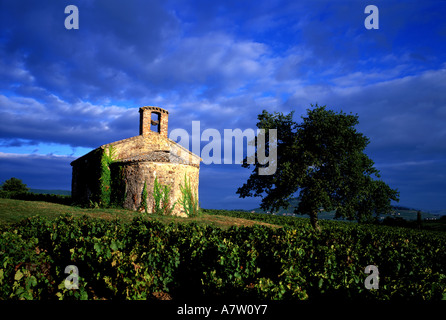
(322, 161)
(13, 186)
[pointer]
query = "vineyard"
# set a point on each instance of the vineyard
(148, 259)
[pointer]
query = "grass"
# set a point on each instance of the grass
(12, 211)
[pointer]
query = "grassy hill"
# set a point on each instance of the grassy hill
(12, 211)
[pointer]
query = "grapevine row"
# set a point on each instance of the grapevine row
(141, 259)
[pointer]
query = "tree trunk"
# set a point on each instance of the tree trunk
(314, 221)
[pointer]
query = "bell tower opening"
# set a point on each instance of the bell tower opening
(153, 119)
(155, 122)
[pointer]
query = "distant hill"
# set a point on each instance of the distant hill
(56, 191)
(399, 211)
(438, 212)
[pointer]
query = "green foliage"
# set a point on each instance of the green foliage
(105, 178)
(322, 159)
(136, 260)
(161, 196)
(24, 268)
(189, 199)
(144, 195)
(12, 187)
(15, 189)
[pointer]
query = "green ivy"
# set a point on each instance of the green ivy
(189, 199)
(144, 194)
(161, 196)
(105, 179)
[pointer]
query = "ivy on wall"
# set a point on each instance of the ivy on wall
(113, 188)
(189, 199)
(144, 206)
(161, 199)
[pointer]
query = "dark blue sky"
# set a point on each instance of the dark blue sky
(64, 92)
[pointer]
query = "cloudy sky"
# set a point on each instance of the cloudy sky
(64, 92)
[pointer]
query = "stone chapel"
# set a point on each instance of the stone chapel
(138, 160)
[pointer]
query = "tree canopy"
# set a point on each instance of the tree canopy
(14, 186)
(321, 161)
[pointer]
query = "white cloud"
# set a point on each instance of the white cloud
(5, 155)
(215, 60)
(57, 121)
